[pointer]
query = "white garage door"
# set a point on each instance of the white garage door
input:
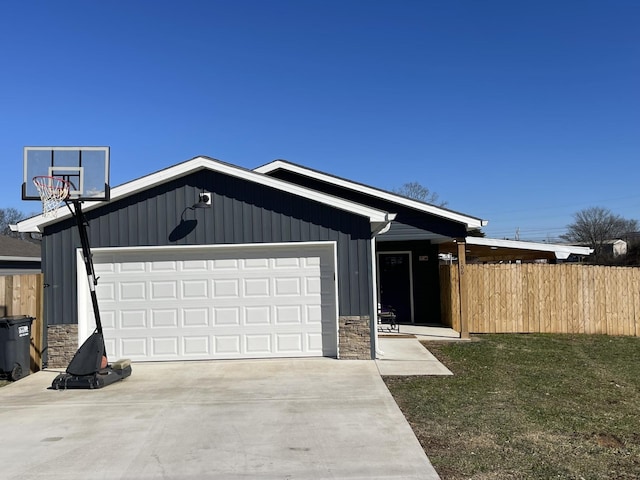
(220, 302)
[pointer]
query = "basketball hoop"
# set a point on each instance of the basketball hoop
(53, 192)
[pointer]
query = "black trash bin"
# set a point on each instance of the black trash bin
(15, 343)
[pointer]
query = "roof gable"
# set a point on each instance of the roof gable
(471, 223)
(379, 219)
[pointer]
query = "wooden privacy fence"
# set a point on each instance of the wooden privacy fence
(22, 295)
(543, 298)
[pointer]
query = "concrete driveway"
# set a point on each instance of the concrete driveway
(273, 419)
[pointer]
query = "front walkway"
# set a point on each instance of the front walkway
(401, 353)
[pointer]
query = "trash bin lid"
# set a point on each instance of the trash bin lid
(13, 319)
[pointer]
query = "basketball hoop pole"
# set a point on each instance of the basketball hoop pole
(68, 176)
(88, 261)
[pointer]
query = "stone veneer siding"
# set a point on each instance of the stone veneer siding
(355, 341)
(355, 338)
(62, 343)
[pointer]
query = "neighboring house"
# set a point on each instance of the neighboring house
(18, 256)
(286, 262)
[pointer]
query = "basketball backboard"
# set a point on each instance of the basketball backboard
(86, 168)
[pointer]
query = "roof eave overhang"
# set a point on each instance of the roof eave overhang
(375, 216)
(471, 223)
(492, 248)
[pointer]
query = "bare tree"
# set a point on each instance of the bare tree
(419, 192)
(9, 216)
(595, 225)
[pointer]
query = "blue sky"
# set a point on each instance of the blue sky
(519, 112)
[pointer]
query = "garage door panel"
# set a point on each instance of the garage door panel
(130, 319)
(163, 266)
(133, 347)
(230, 303)
(256, 344)
(131, 291)
(226, 288)
(314, 342)
(110, 345)
(104, 268)
(195, 317)
(164, 318)
(313, 285)
(288, 314)
(108, 319)
(106, 291)
(226, 316)
(227, 346)
(226, 264)
(255, 264)
(195, 266)
(256, 315)
(161, 348)
(257, 287)
(287, 286)
(289, 342)
(195, 289)
(131, 267)
(196, 345)
(314, 313)
(163, 290)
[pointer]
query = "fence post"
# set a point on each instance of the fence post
(462, 286)
(37, 331)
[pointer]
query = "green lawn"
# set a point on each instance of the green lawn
(529, 407)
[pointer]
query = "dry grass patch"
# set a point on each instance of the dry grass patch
(529, 407)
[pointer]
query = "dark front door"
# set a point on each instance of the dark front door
(394, 277)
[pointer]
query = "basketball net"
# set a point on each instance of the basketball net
(53, 192)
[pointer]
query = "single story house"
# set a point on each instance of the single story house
(18, 256)
(285, 261)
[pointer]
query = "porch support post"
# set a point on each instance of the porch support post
(462, 286)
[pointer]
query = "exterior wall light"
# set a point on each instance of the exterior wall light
(204, 200)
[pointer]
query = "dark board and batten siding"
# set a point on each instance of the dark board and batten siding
(408, 224)
(241, 212)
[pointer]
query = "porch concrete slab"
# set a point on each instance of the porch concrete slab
(273, 419)
(405, 355)
(430, 332)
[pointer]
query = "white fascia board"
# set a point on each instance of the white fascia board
(561, 252)
(376, 217)
(32, 225)
(471, 222)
